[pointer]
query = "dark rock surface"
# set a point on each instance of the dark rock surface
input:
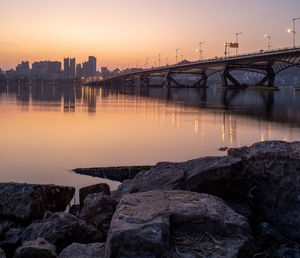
(273, 173)
(98, 210)
(113, 173)
(75, 250)
(75, 210)
(221, 176)
(38, 248)
(99, 188)
(122, 190)
(62, 229)
(176, 224)
(2, 254)
(11, 240)
(28, 202)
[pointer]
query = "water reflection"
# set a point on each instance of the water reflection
(47, 130)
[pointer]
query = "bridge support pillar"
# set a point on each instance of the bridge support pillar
(226, 76)
(144, 81)
(170, 79)
(202, 82)
(269, 77)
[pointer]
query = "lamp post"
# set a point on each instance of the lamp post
(200, 50)
(226, 45)
(269, 41)
(177, 49)
(159, 54)
(294, 31)
(236, 40)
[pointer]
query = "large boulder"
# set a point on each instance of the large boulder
(62, 229)
(221, 176)
(98, 210)
(27, 201)
(98, 188)
(75, 250)
(38, 248)
(273, 174)
(176, 224)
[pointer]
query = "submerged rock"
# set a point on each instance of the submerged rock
(99, 188)
(176, 224)
(38, 248)
(75, 250)
(273, 172)
(113, 173)
(62, 229)
(98, 210)
(27, 201)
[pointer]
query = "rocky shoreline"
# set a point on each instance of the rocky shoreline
(246, 204)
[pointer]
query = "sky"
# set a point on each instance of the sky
(122, 33)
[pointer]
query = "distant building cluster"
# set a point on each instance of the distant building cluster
(52, 70)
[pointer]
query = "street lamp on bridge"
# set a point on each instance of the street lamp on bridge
(176, 54)
(200, 50)
(236, 40)
(294, 30)
(269, 41)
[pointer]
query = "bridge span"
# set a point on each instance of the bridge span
(266, 63)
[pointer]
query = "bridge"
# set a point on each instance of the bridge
(266, 63)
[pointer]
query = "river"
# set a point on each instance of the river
(48, 130)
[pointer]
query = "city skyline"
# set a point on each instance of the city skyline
(137, 30)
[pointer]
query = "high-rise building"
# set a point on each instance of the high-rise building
(92, 66)
(72, 68)
(79, 73)
(67, 67)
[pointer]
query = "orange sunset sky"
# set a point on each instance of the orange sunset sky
(122, 32)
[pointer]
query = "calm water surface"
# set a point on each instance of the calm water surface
(46, 131)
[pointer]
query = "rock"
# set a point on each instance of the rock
(221, 176)
(99, 188)
(122, 190)
(75, 250)
(2, 254)
(176, 224)
(273, 172)
(38, 248)
(11, 240)
(98, 209)
(28, 202)
(62, 229)
(75, 210)
(113, 173)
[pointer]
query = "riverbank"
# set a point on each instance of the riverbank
(246, 204)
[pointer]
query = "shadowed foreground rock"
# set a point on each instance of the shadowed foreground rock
(273, 172)
(176, 224)
(28, 202)
(99, 188)
(2, 254)
(38, 248)
(98, 210)
(62, 229)
(75, 250)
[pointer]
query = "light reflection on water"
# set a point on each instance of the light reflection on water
(46, 131)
